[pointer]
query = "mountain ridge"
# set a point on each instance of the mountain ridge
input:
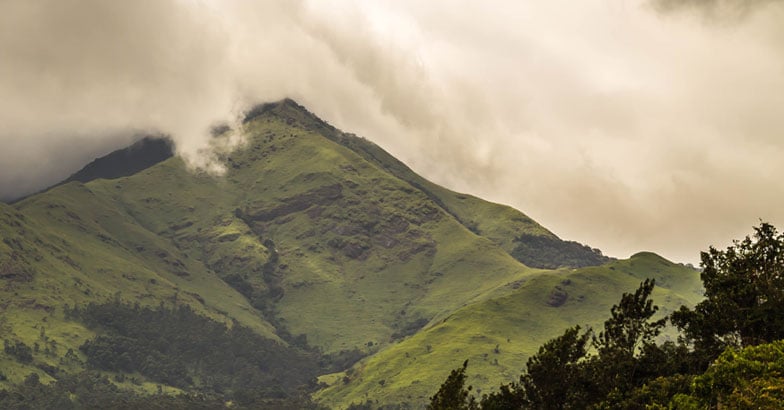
(532, 238)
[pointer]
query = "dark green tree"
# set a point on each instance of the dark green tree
(629, 328)
(554, 375)
(744, 296)
(508, 396)
(751, 378)
(19, 350)
(453, 395)
(628, 336)
(177, 347)
(563, 375)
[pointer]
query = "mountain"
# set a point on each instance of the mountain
(332, 257)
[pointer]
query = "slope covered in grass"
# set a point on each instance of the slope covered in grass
(498, 335)
(349, 239)
(519, 235)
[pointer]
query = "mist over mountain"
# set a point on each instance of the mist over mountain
(612, 123)
(717, 9)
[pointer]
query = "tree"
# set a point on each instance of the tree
(625, 346)
(508, 396)
(452, 395)
(554, 374)
(563, 375)
(752, 378)
(744, 290)
(629, 328)
(19, 350)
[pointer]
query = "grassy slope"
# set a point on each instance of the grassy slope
(58, 257)
(513, 231)
(426, 267)
(416, 252)
(131, 258)
(516, 321)
(499, 223)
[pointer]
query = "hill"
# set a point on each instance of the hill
(319, 243)
(498, 334)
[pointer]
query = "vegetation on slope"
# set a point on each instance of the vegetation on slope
(499, 334)
(92, 390)
(516, 233)
(350, 239)
(179, 348)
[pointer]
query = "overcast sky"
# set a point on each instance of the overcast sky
(628, 125)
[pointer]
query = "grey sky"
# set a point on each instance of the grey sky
(628, 125)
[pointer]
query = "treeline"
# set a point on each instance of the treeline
(91, 390)
(729, 353)
(552, 253)
(177, 347)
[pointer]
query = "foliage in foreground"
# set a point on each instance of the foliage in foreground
(752, 378)
(452, 395)
(744, 296)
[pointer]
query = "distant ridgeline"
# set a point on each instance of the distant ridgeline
(140, 155)
(319, 270)
(127, 161)
(552, 253)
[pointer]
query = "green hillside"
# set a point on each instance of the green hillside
(516, 233)
(498, 335)
(314, 240)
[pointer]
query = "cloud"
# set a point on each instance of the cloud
(607, 121)
(722, 9)
(81, 75)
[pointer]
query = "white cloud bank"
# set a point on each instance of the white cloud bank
(626, 125)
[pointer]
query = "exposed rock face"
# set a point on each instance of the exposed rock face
(557, 297)
(318, 196)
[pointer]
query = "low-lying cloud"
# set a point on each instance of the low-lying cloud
(720, 9)
(626, 125)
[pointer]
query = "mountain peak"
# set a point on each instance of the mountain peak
(283, 108)
(294, 114)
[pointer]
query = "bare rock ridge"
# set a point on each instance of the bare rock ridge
(127, 161)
